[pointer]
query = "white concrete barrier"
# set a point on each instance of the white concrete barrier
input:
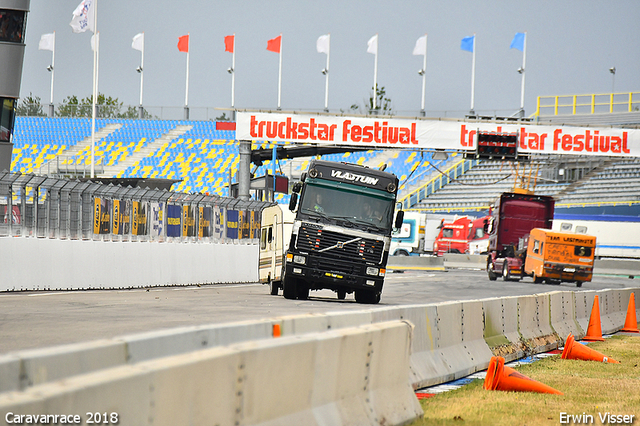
(348, 376)
(501, 327)
(534, 324)
(111, 265)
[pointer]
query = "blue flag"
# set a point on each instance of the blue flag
(468, 43)
(518, 42)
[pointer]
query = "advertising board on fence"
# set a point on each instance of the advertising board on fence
(232, 224)
(218, 223)
(174, 224)
(157, 219)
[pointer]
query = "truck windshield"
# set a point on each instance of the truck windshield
(348, 205)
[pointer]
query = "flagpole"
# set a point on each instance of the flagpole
(186, 91)
(53, 67)
(524, 59)
(95, 87)
(233, 75)
(473, 74)
(424, 74)
(279, 73)
(375, 78)
(326, 85)
(141, 74)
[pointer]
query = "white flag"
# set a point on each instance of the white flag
(323, 43)
(421, 46)
(138, 42)
(47, 42)
(372, 45)
(83, 17)
(95, 39)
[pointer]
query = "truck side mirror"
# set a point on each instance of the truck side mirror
(293, 201)
(399, 219)
(296, 187)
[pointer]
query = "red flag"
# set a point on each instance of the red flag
(183, 43)
(273, 45)
(229, 41)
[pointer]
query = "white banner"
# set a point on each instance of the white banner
(381, 133)
(157, 219)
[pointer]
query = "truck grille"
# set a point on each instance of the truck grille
(331, 246)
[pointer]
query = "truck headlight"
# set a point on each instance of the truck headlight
(372, 271)
(299, 259)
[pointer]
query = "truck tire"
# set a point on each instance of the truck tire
(537, 279)
(579, 283)
(367, 297)
(289, 290)
(303, 291)
(506, 276)
(492, 275)
(274, 286)
(342, 294)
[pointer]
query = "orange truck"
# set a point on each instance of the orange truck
(559, 256)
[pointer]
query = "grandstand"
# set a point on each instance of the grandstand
(204, 160)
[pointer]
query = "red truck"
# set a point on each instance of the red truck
(514, 216)
(460, 235)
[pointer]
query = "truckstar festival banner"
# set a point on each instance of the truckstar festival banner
(432, 134)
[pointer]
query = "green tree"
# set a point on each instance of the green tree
(106, 107)
(30, 106)
(383, 104)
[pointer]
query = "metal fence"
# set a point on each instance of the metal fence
(47, 207)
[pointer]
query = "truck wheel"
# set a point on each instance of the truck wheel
(342, 294)
(289, 290)
(537, 279)
(506, 276)
(367, 297)
(579, 283)
(303, 291)
(402, 253)
(492, 275)
(274, 286)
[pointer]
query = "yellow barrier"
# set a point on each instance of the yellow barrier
(587, 104)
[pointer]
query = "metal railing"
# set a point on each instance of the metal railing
(587, 104)
(47, 207)
(437, 183)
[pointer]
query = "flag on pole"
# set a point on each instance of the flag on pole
(47, 42)
(468, 43)
(372, 45)
(518, 42)
(95, 40)
(421, 46)
(183, 43)
(323, 43)
(229, 42)
(138, 42)
(83, 17)
(273, 45)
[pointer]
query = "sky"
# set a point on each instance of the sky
(570, 47)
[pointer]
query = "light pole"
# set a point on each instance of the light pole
(612, 70)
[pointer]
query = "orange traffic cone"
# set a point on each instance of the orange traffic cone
(501, 377)
(594, 330)
(631, 323)
(574, 350)
(276, 330)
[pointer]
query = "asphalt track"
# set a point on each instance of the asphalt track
(32, 319)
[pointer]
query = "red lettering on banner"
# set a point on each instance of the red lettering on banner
(624, 143)
(405, 135)
(292, 129)
(523, 138)
(413, 134)
(567, 142)
(367, 133)
(578, 145)
(595, 140)
(272, 129)
(463, 135)
(281, 133)
(604, 143)
(587, 142)
(376, 130)
(312, 129)
(357, 134)
(303, 128)
(616, 144)
(394, 132)
(252, 128)
(345, 129)
(556, 138)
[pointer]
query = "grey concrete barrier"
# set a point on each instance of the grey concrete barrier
(624, 267)
(348, 376)
(464, 261)
(501, 327)
(400, 263)
(563, 314)
(534, 324)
